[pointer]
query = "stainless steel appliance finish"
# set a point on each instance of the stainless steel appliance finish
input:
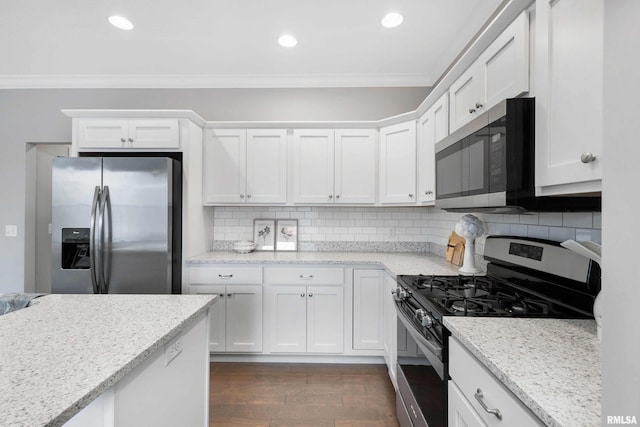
(525, 278)
(113, 225)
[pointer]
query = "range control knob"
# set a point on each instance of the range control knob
(424, 318)
(399, 294)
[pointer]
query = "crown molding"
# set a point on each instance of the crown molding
(212, 81)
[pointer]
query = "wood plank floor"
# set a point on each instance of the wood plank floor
(300, 395)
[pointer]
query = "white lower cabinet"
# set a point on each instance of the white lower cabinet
(236, 319)
(390, 328)
(477, 398)
(306, 319)
(368, 309)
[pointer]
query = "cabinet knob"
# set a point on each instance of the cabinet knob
(410, 194)
(479, 105)
(330, 196)
(221, 295)
(337, 196)
(122, 140)
(130, 139)
(302, 295)
(229, 294)
(472, 110)
(248, 196)
(310, 294)
(587, 157)
(242, 196)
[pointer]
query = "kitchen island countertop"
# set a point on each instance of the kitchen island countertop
(62, 352)
(551, 365)
(394, 263)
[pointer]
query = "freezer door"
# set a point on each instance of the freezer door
(137, 223)
(74, 181)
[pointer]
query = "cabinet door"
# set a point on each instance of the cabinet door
(103, 133)
(440, 111)
(288, 323)
(312, 166)
(325, 319)
(244, 318)
(154, 133)
(569, 63)
(356, 156)
(217, 314)
(398, 163)
(505, 63)
(368, 309)
(466, 97)
(266, 166)
(390, 328)
(460, 412)
(224, 166)
(426, 159)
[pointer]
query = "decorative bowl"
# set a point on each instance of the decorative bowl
(244, 246)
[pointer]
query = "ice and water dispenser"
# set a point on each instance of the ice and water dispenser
(75, 248)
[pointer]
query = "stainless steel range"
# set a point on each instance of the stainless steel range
(525, 278)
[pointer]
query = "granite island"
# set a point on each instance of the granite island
(112, 358)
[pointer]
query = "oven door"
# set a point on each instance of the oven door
(422, 376)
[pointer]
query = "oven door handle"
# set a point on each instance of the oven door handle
(435, 349)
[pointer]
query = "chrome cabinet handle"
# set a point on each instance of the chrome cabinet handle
(225, 276)
(472, 110)
(306, 276)
(428, 192)
(587, 157)
(479, 105)
(479, 397)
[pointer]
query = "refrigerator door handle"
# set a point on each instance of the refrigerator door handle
(105, 239)
(93, 259)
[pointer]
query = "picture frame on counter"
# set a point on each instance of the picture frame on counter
(287, 235)
(264, 231)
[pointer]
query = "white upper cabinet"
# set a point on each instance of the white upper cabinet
(568, 76)
(398, 163)
(245, 166)
(432, 127)
(312, 153)
(128, 133)
(356, 166)
(336, 167)
(501, 72)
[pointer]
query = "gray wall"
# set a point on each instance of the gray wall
(620, 204)
(33, 116)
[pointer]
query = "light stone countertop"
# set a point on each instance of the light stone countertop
(551, 365)
(394, 263)
(59, 354)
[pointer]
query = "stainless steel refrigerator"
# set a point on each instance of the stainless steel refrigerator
(116, 225)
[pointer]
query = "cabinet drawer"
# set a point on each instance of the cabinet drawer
(304, 275)
(470, 375)
(225, 275)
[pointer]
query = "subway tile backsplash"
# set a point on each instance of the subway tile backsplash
(407, 229)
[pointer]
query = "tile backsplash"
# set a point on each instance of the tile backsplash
(407, 229)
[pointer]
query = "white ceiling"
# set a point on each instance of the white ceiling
(232, 43)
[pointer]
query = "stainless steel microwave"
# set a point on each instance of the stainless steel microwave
(488, 165)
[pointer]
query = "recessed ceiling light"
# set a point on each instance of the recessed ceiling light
(391, 20)
(287, 40)
(120, 22)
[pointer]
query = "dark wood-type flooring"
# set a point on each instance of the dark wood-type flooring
(269, 394)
